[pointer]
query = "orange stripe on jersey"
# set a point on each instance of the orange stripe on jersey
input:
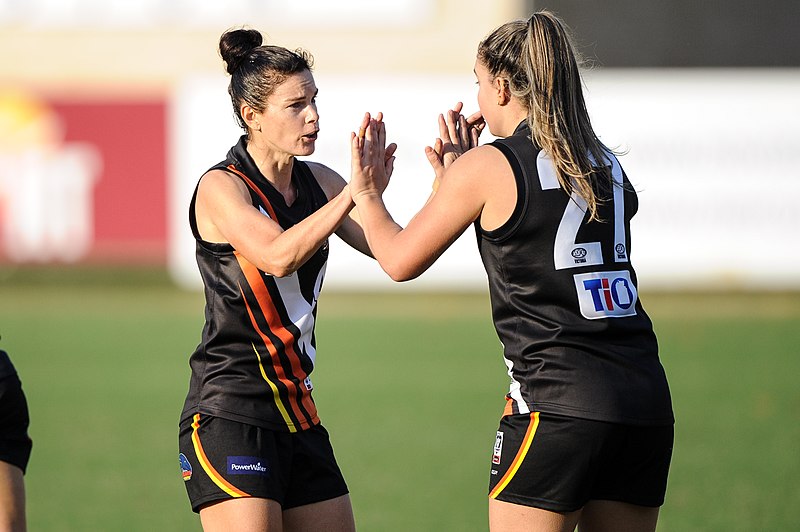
(212, 473)
(523, 451)
(256, 282)
(255, 189)
(279, 372)
(277, 328)
(273, 353)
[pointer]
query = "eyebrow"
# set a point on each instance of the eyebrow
(301, 98)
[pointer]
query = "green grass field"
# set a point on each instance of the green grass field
(409, 385)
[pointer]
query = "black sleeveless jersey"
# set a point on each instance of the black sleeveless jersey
(564, 297)
(258, 346)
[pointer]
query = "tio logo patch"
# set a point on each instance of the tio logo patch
(606, 294)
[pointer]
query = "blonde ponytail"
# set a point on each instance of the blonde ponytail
(541, 64)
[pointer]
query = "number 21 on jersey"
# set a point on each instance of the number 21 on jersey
(607, 294)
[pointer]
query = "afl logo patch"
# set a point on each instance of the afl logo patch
(621, 252)
(186, 467)
(579, 254)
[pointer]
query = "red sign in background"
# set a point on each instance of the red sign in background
(128, 200)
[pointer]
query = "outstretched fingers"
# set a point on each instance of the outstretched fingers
(375, 141)
(372, 160)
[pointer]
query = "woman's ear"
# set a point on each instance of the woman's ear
(503, 91)
(250, 117)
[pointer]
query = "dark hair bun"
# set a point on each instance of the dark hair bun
(235, 45)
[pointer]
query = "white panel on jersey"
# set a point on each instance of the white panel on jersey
(300, 311)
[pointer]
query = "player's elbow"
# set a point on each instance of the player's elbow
(278, 271)
(400, 278)
(280, 266)
(282, 272)
(400, 271)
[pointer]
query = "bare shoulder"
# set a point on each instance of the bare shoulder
(331, 182)
(489, 177)
(483, 182)
(218, 177)
(480, 163)
(220, 182)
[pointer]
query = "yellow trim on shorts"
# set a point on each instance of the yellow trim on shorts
(212, 473)
(523, 451)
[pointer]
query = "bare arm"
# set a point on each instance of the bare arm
(225, 214)
(406, 253)
(332, 183)
(350, 230)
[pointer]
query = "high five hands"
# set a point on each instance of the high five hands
(457, 134)
(372, 161)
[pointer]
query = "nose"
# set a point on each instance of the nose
(313, 115)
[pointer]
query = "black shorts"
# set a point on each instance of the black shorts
(559, 463)
(223, 459)
(15, 444)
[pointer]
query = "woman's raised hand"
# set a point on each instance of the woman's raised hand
(457, 134)
(372, 162)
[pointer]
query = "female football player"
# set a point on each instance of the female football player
(586, 435)
(253, 452)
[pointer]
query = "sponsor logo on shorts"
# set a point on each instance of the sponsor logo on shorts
(246, 465)
(498, 448)
(186, 467)
(606, 294)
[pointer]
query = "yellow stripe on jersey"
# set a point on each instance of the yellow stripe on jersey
(212, 473)
(276, 394)
(523, 451)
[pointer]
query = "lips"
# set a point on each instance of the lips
(311, 136)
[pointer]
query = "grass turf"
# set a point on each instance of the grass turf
(410, 387)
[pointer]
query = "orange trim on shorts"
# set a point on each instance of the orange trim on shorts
(509, 408)
(212, 473)
(523, 451)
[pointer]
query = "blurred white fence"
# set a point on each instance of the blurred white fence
(711, 152)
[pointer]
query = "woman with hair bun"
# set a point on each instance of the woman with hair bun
(253, 453)
(586, 435)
